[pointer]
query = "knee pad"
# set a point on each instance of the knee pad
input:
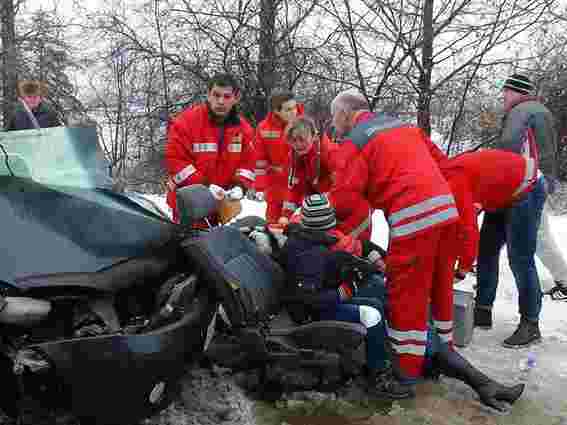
(369, 316)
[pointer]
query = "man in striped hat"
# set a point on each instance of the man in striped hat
(527, 129)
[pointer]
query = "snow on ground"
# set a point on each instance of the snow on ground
(547, 381)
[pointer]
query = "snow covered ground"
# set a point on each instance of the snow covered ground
(547, 380)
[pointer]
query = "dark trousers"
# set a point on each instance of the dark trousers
(516, 227)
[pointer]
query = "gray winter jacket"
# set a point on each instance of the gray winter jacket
(529, 114)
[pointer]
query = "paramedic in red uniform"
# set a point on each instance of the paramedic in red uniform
(390, 163)
(501, 182)
(312, 171)
(211, 143)
(273, 153)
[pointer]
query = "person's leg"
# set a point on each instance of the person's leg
(492, 238)
(548, 252)
(522, 228)
(409, 266)
(442, 289)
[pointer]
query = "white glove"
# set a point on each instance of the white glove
(375, 258)
(218, 192)
(234, 194)
(260, 196)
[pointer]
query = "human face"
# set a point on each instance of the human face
(32, 101)
(288, 111)
(301, 143)
(509, 97)
(342, 123)
(222, 100)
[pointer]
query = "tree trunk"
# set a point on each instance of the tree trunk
(424, 99)
(9, 72)
(267, 56)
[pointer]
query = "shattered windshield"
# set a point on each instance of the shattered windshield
(60, 156)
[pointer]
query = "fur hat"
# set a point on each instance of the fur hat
(519, 83)
(31, 88)
(317, 213)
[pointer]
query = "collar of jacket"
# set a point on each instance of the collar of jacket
(316, 236)
(42, 107)
(232, 119)
(522, 99)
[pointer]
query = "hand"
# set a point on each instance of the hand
(260, 196)
(170, 184)
(347, 290)
(217, 191)
(460, 275)
(284, 221)
(375, 258)
(234, 194)
(251, 194)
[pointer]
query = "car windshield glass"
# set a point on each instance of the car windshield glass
(59, 156)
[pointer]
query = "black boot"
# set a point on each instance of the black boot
(384, 384)
(491, 393)
(526, 334)
(483, 317)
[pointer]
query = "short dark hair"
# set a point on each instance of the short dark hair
(223, 80)
(279, 98)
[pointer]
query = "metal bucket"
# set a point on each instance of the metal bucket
(463, 317)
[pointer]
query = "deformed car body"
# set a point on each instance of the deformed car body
(99, 308)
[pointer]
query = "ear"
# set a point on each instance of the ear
(237, 95)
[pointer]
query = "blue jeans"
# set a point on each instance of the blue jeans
(372, 295)
(517, 227)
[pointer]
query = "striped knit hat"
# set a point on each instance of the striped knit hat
(519, 83)
(317, 213)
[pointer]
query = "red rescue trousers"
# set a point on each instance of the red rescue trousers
(420, 272)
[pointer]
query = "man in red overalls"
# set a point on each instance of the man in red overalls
(273, 153)
(390, 164)
(211, 143)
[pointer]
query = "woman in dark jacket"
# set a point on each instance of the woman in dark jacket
(31, 111)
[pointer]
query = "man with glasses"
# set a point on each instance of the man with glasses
(211, 143)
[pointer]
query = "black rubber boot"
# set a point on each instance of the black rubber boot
(491, 393)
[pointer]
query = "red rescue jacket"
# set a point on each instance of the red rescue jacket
(390, 164)
(273, 156)
(491, 178)
(201, 151)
